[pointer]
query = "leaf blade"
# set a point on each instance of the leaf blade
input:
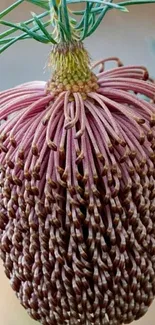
(10, 8)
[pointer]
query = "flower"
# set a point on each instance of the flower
(78, 199)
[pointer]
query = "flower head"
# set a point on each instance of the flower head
(78, 199)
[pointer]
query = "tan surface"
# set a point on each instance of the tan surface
(25, 62)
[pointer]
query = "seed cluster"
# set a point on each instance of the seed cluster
(77, 196)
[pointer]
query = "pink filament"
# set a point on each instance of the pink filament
(77, 197)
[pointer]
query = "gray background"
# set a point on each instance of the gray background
(128, 36)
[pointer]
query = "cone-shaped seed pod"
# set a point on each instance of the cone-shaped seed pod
(77, 191)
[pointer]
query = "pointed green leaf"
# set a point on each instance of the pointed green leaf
(135, 2)
(111, 5)
(14, 40)
(30, 32)
(43, 29)
(40, 3)
(13, 30)
(66, 17)
(10, 8)
(99, 19)
(86, 21)
(18, 38)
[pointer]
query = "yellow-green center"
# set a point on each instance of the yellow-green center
(71, 70)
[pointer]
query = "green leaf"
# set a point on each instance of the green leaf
(90, 19)
(60, 26)
(86, 21)
(63, 29)
(135, 2)
(10, 8)
(73, 21)
(30, 32)
(20, 37)
(40, 3)
(53, 5)
(93, 10)
(11, 42)
(43, 29)
(111, 5)
(6, 40)
(66, 17)
(99, 19)
(13, 30)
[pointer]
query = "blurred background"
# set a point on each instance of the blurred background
(129, 36)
